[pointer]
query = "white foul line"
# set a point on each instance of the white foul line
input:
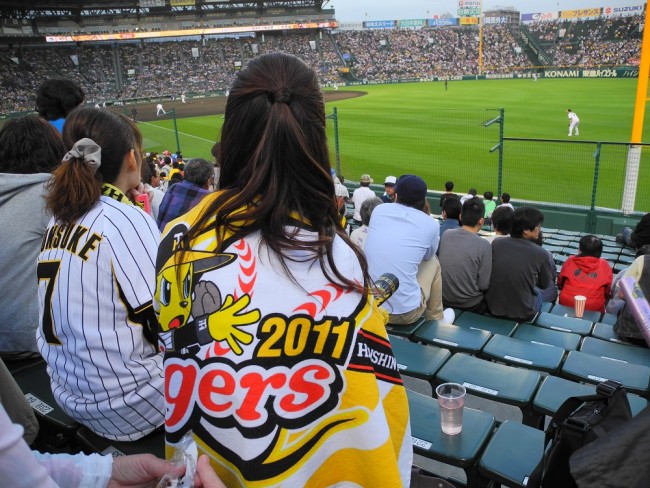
(171, 130)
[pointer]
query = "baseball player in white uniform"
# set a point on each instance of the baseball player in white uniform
(160, 109)
(96, 281)
(574, 123)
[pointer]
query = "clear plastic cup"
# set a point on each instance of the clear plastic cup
(451, 398)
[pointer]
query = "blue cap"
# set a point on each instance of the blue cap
(410, 189)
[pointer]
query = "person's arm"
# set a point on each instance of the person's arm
(485, 268)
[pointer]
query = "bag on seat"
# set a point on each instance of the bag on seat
(579, 421)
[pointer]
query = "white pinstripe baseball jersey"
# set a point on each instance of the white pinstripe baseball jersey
(96, 282)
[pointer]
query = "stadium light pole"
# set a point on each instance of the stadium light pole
(634, 151)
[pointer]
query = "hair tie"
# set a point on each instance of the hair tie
(281, 95)
(87, 150)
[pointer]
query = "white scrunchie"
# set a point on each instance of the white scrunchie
(87, 150)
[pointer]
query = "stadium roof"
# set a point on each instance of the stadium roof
(46, 8)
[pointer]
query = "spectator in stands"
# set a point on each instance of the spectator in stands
(96, 274)
(501, 222)
(505, 200)
(403, 240)
(389, 189)
(626, 326)
(183, 196)
(490, 205)
(616, 303)
(638, 237)
(519, 269)
(360, 235)
(360, 195)
(470, 194)
(586, 274)
(151, 177)
(466, 261)
(342, 196)
(268, 249)
(448, 193)
(451, 209)
(30, 148)
(56, 98)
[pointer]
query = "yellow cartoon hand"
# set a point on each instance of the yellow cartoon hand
(224, 323)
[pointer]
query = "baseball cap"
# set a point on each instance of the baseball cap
(390, 181)
(341, 190)
(410, 189)
(366, 179)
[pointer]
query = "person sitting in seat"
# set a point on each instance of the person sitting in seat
(403, 240)
(501, 222)
(586, 274)
(466, 261)
(360, 235)
(519, 269)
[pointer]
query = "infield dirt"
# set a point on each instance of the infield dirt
(146, 112)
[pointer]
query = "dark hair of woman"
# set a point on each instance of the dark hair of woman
(275, 161)
(29, 145)
(75, 188)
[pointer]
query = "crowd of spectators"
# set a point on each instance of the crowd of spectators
(202, 66)
(599, 42)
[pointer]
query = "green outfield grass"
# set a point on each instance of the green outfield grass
(440, 135)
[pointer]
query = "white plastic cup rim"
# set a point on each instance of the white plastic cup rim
(450, 390)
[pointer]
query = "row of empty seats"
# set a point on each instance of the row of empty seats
(532, 366)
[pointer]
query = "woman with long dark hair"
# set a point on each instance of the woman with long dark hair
(276, 354)
(96, 277)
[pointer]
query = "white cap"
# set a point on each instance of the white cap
(390, 180)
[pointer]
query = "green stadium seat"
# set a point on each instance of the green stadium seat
(546, 306)
(553, 249)
(608, 248)
(418, 360)
(563, 324)
(451, 336)
(518, 352)
(572, 245)
(581, 366)
(619, 352)
(560, 258)
(404, 330)
(541, 335)
(606, 332)
(560, 243)
(494, 381)
(608, 239)
(565, 311)
(547, 231)
(35, 385)
(470, 320)
(627, 260)
(553, 391)
(570, 233)
(609, 318)
(461, 450)
(618, 267)
(90, 442)
(512, 454)
(609, 256)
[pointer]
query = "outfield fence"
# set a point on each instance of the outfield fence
(573, 173)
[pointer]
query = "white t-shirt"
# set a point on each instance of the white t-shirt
(399, 239)
(359, 196)
(573, 118)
